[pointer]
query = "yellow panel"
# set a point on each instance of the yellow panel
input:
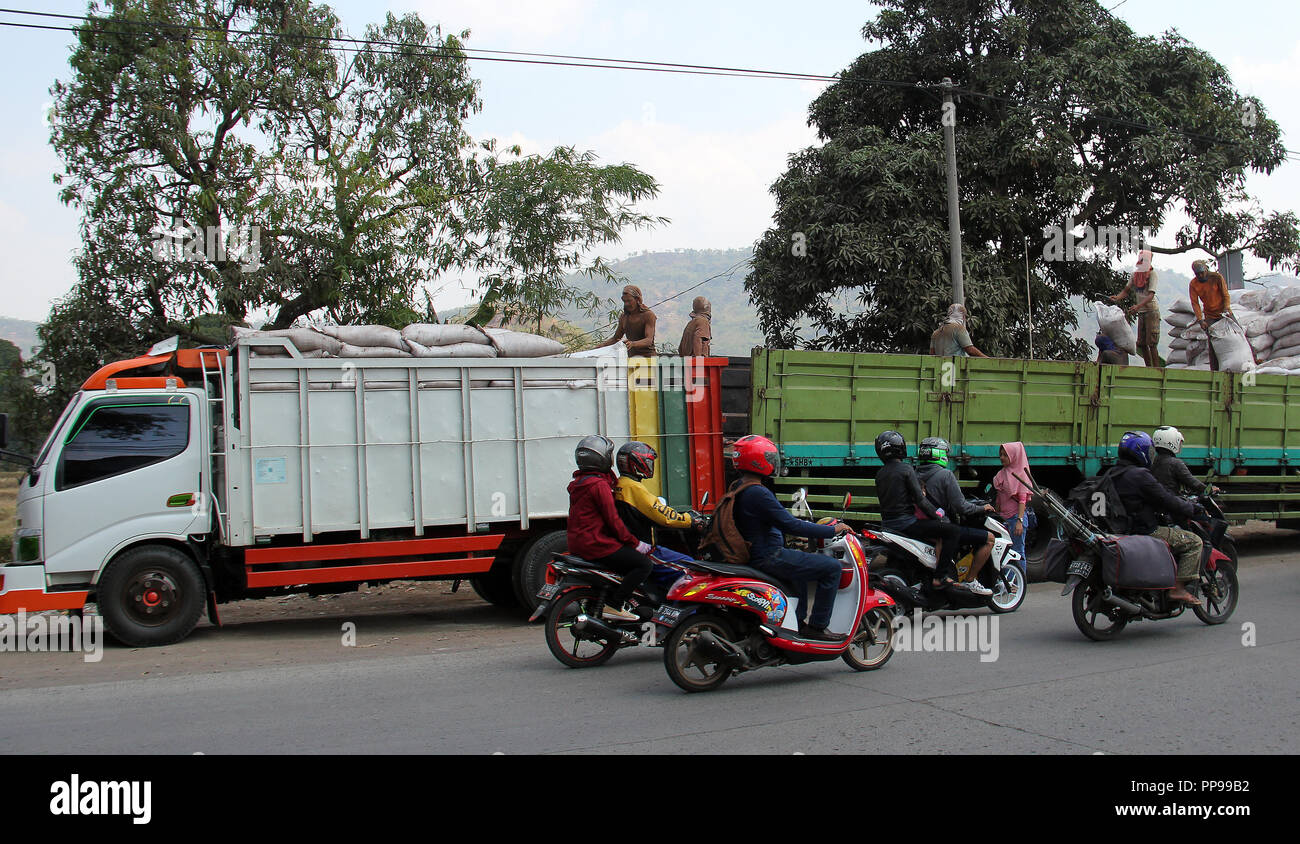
(643, 409)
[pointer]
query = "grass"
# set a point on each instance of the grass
(8, 506)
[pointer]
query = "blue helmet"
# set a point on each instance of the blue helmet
(1137, 445)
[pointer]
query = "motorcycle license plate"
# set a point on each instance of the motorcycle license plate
(548, 591)
(668, 616)
(1083, 568)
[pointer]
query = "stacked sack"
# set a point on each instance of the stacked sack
(420, 340)
(1265, 334)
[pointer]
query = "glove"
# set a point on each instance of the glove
(939, 512)
(642, 548)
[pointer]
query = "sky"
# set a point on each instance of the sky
(715, 145)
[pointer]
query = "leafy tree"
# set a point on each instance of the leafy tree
(1065, 118)
(351, 165)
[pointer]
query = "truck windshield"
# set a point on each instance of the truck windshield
(54, 433)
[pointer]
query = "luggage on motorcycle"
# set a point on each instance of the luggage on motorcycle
(1137, 562)
(1097, 500)
(723, 537)
(1057, 560)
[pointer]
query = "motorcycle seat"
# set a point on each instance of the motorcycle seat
(576, 562)
(745, 571)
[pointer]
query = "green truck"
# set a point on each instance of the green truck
(824, 410)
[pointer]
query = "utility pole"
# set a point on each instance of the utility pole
(949, 120)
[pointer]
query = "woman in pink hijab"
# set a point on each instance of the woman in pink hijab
(1012, 499)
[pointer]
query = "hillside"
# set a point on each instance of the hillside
(21, 333)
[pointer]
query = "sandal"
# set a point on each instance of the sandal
(1188, 600)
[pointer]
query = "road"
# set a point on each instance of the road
(442, 673)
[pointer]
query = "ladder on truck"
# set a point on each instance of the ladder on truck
(216, 432)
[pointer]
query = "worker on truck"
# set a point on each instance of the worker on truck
(952, 339)
(1210, 303)
(1147, 310)
(636, 323)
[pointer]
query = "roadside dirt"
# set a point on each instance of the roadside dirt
(397, 619)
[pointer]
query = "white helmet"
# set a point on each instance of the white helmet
(1169, 438)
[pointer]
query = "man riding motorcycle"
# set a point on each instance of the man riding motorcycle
(1168, 468)
(1145, 500)
(899, 491)
(641, 510)
(761, 520)
(941, 487)
(596, 533)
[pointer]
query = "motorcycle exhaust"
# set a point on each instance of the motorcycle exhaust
(720, 649)
(1129, 607)
(585, 625)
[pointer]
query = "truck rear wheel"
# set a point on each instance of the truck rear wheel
(497, 587)
(149, 596)
(530, 565)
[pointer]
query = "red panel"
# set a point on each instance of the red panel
(34, 600)
(704, 420)
(361, 550)
(374, 571)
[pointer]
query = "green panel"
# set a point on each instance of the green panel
(674, 454)
(1037, 403)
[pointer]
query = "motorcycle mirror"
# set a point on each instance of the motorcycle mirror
(704, 500)
(801, 495)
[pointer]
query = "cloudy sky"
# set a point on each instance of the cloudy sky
(714, 144)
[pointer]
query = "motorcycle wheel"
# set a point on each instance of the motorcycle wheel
(1008, 590)
(1225, 584)
(1088, 620)
(687, 665)
(896, 579)
(873, 644)
(569, 648)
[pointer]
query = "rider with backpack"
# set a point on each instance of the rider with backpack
(941, 487)
(761, 519)
(1143, 500)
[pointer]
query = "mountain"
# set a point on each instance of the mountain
(666, 280)
(21, 333)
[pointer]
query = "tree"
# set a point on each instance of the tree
(1065, 119)
(343, 167)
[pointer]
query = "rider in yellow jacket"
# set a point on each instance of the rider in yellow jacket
(640, 509)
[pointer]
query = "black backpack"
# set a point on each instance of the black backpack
(1097, 500)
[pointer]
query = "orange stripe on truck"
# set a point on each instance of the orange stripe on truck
(35, 600)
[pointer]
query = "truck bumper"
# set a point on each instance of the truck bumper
(23, 588)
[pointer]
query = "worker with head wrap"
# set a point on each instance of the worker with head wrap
(636, 324)
(699, 331)
(1146, 308)
(952, 339)
(1210, 302)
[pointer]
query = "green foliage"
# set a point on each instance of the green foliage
(1057, 137)
(350, 174)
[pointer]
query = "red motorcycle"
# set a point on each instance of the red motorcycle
(726, 619)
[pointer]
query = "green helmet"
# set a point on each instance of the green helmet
(934, 450)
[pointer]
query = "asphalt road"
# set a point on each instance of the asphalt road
(474, 681)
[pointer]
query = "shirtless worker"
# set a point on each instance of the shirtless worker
(696, 337)
(637, 323)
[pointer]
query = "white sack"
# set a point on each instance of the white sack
(516, 344)
(1261, 343)
(1291, 362)
(1272, 370)
(1181, 306)
(1113, 324)
(1180, 320)
(1230, 345)
(432, 334)
(351, 351)
(1286, 297)
(1282, 318)
(367, 335)
(303, 339)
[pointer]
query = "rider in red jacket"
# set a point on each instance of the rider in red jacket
(597, 533)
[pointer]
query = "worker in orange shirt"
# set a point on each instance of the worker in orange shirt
(1210, 302)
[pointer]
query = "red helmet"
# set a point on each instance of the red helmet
(756, 454)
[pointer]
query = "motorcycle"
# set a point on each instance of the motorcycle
(574, 595)
(1101, 612)
(907, 570)
(726, 619)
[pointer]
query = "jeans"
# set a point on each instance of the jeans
(803, 568)
(1018, 542)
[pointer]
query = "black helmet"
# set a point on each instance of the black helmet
(636, 460)
(934, 450)
(891, 444)
(595, 452)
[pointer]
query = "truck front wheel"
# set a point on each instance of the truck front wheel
(149, 596)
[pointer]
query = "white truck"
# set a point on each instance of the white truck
(182, 479)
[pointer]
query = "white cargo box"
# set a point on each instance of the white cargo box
(330, 444)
